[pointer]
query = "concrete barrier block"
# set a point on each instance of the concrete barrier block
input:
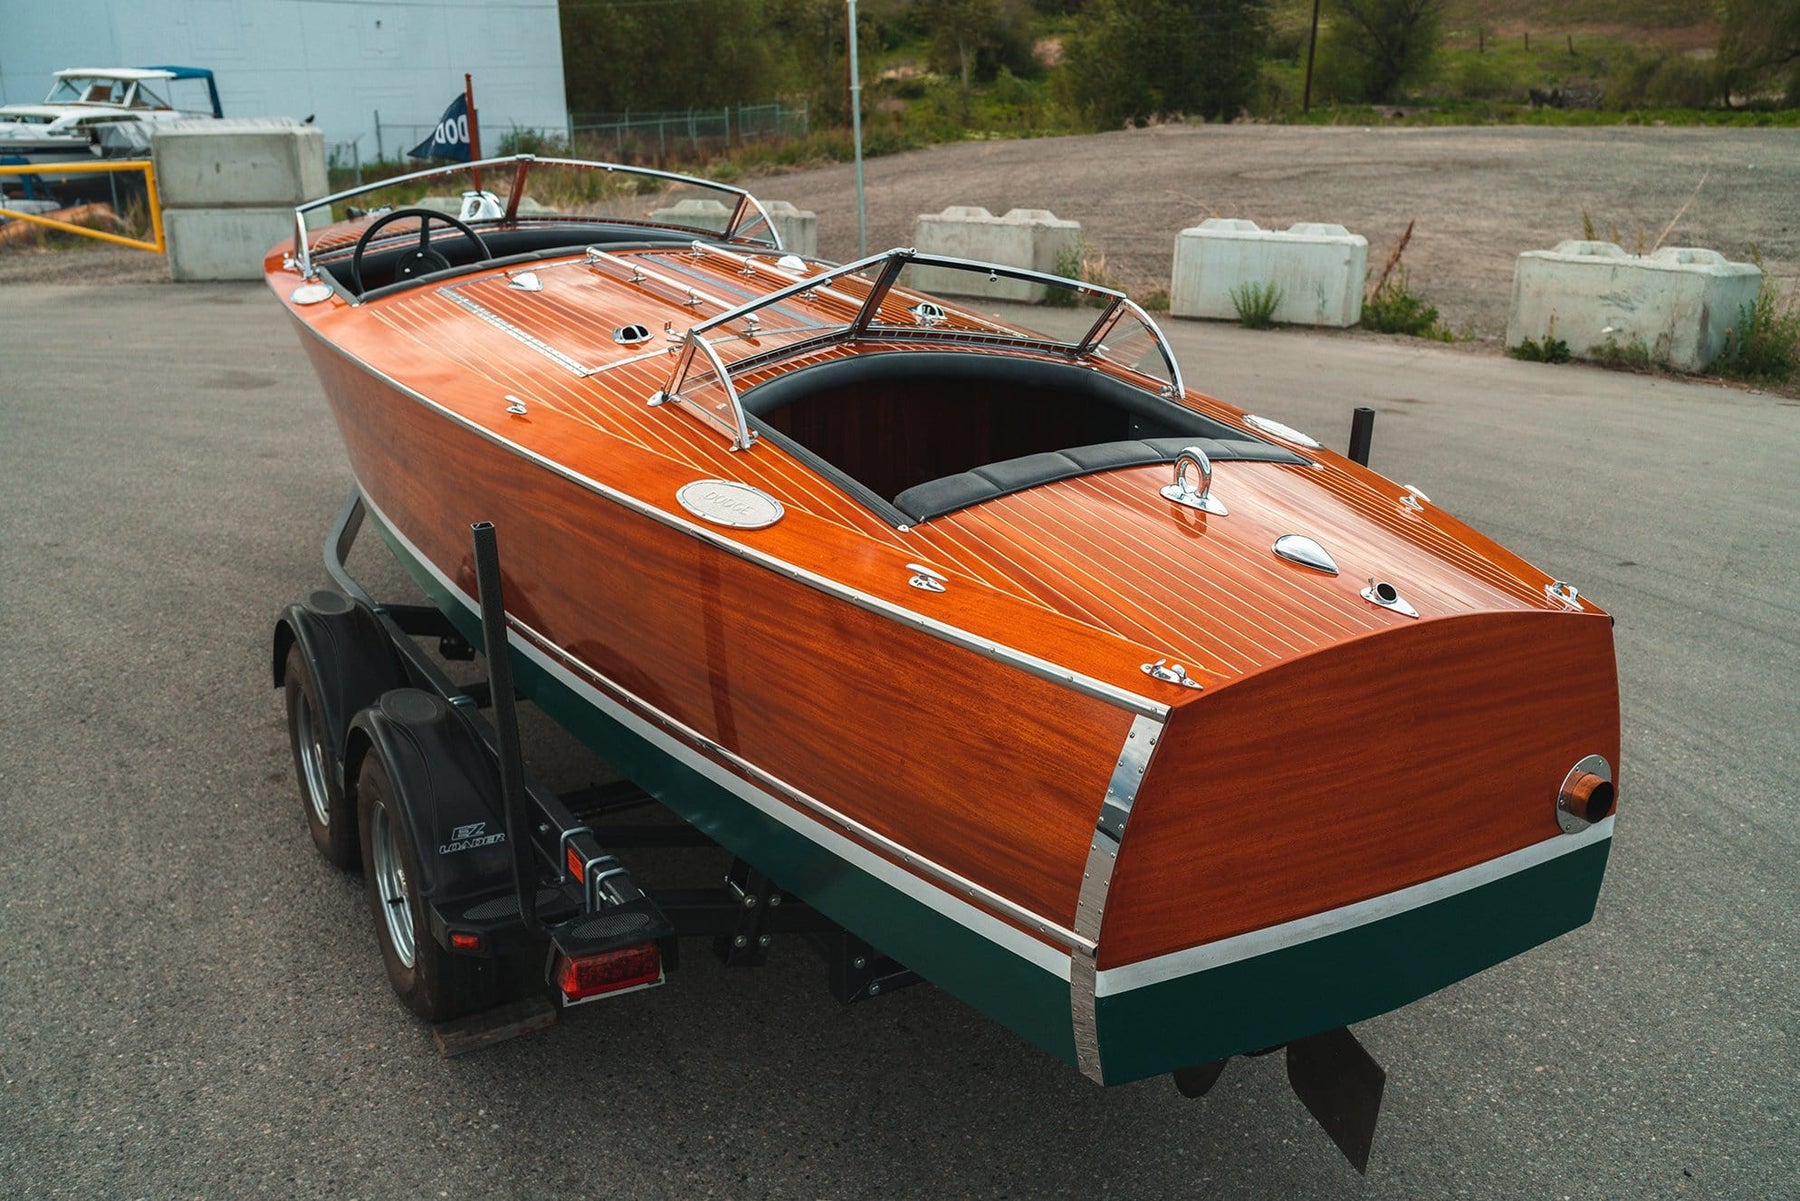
(1319, 268)
(799, 228)
(695, 213)
(226, 243)
(231, 163)
(1035, 239)
(1676, 304)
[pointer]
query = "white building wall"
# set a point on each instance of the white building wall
(340, 61)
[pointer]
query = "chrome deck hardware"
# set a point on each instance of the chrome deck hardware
(1563, 593)
(1286, 433)
(1388, 597)
(1184, 493)
(925, 579)
(1169, 673)
(1298, 548)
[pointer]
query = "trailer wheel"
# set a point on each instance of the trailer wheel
(429, 980)
(329, 817)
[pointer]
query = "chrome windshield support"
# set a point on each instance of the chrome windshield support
(943, 326)
(748, 217)
(726, 414)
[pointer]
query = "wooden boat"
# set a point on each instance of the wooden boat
(1152, 729)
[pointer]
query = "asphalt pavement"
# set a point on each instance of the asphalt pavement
(191, 1001)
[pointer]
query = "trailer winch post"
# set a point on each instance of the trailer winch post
(506, 719)
(1362, 434)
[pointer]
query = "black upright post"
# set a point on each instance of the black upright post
(1362, 432)
(506, 717)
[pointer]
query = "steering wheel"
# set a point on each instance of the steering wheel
(421, 258)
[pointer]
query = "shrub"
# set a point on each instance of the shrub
(1551, 350)
(1764, 346)
(1074, 262)
(1256, 304)
(1393, 308)
(1634, 355)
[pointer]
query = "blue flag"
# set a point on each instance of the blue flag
(451, 137)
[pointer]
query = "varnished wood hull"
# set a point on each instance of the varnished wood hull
(1314, 841)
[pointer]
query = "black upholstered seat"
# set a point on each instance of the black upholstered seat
(934, 498)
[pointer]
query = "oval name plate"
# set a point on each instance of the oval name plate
(310, 293)
(723, 502)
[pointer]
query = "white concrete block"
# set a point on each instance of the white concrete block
(226, 243)
(231, 163)
(799, 228)
(1319, 268)
(1677, 303)
(695, 213)
(1036, 239)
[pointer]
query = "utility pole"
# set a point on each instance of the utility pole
(1312, 44)
(862, 221)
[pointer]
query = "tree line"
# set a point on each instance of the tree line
(1108, 62)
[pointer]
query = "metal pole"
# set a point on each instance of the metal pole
(506, 718)
(1312, 43)
(862, 216)
(474, 127)
(1362, 433)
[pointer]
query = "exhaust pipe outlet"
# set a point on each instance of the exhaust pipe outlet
(1586, 796)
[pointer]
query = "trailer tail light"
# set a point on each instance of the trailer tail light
(460, 941)
(584, 977)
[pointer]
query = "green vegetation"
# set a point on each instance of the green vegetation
(1393, 308)
(1256, 304)
(1132, 61)
(1764, 346)
(1377, 47)
(1551, 350)
(1634, 355)
(1760, 43)
(950, 70)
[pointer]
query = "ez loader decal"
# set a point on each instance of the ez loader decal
(467, 838)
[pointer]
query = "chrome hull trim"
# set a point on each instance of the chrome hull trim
(1255, 943)
(934, 885)
(1096, 879)
(1042, 668)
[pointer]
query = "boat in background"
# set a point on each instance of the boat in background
(104, 112)
(1149, 727)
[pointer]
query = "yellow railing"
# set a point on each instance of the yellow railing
(155, 246)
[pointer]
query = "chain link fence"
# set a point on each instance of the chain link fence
(627, 137)
(632, 137)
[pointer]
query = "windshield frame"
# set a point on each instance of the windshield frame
(1118, 308)
(748, 221)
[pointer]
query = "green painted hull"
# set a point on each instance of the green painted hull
(1345, 977)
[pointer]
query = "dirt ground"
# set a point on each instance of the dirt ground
(1480, 195)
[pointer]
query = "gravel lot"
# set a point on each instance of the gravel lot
(1480, 195)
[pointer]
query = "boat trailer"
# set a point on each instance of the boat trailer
(499, 902)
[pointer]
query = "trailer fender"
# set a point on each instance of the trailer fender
(352, 661)
(446, 785)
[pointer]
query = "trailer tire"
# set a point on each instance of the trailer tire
(429, 980)
(330, 818)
